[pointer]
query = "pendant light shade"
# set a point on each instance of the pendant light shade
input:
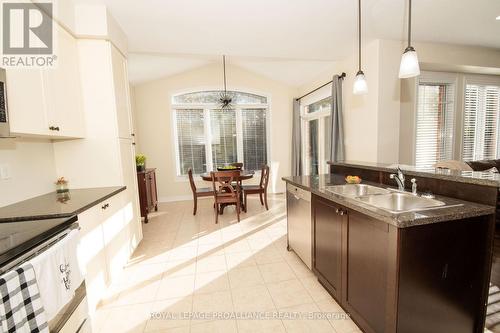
(360, 87)
(409, 66)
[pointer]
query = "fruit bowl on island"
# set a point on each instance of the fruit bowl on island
(353, 179)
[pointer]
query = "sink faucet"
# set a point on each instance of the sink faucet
(399, 178)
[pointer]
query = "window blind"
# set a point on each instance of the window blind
(434, 123)
(224, 146)
(191, 140)
(254, 138)
(481, 120)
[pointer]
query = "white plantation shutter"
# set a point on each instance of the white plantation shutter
(481, 121)
(191, 141)
(223, 127)
(434, 119)
(254, 138)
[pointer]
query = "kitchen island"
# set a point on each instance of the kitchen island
(421, 270)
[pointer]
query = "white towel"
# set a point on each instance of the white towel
(58, 274)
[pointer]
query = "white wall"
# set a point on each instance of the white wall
(154, 121)
(371, 121)
(32, 169)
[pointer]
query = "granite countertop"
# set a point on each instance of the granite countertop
(18, 237)
(53, 205)
(470, 177)
(317, 185)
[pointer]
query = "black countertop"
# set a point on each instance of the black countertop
(53, 205)
(19, 237)
(318, 185)
(469, 177)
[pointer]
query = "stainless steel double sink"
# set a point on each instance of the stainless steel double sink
(389, 200)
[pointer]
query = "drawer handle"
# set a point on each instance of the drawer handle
(105, 206)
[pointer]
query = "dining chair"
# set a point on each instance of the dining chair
(198, 192)
(226, 190)
(260, 189)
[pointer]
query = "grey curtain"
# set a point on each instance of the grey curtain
(337, 121)
(296, 140)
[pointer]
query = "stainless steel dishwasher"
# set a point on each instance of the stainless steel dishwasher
(298, 202)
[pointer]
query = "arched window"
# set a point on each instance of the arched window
(207, 137)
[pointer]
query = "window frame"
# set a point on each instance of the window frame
(305, 117)
(431, 77)
(480, 79)
(174, 107)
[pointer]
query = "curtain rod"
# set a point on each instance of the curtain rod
(342, 76)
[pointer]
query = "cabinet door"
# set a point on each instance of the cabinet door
(63, 89)
(154, 195)
(122, 96)
(26, 102)
(149, 198)
(368, 265)
(327, 258)
(91, 255)
(129, 174)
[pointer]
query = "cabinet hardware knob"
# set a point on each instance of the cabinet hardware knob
(132, 134)
(133, 143)
(52, 128)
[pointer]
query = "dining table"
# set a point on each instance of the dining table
(244, 175)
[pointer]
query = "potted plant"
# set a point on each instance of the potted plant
(61, 185)
(140, 162)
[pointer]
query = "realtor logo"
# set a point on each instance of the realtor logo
(27, 38)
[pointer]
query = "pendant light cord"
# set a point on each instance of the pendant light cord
(409, 23)
(359, 35)
(224, 65)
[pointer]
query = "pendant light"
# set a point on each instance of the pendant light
(225, 100)
(360, 86)
(409, 61)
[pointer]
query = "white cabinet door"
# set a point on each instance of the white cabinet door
(129, 173)
(91, 255)
(63, 88)
(26, 102)
(122, 96)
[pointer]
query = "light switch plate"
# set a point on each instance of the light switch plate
(5, 172)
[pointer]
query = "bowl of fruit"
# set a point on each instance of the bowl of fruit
(353, 179)
(228, 168)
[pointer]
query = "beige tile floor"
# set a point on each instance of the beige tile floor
(188, 264)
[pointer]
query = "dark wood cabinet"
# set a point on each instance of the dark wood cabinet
(327, 244)
(369, 259)
(148, 196)
(425, 278)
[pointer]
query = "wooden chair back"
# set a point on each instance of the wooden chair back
(264, 177)
(222, 182)
(191, 180)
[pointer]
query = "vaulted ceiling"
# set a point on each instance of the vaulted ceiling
(315, 31)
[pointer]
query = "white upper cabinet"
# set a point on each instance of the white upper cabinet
(48, 102)
(26, 102)
(62, 88)
(121, 91)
